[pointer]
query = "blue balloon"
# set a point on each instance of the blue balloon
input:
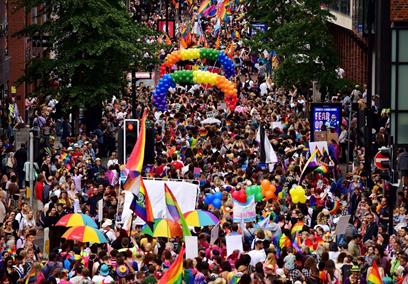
(217, 203)
(208, 199)
(218, 195)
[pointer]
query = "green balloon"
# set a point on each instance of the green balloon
(258, 196)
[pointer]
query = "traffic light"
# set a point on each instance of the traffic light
(130, 133)
(387, 152)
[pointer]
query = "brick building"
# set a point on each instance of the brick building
(15, 52)
(347, 31)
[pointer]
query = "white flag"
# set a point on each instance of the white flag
(268, 155)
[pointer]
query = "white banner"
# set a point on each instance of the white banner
(244, 212)
(234, 243)
(185, 193)
(215, 232)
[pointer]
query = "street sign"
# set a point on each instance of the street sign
(379, 157)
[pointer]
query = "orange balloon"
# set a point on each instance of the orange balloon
(265, 185)
(268, 195)
(272, 188)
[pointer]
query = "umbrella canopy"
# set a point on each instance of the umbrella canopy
(163, 228)
(211, 120)
(85, 234)
(200, 218)
(76, 219)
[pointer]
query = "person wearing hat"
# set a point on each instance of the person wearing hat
(103, 276)
(108, 231)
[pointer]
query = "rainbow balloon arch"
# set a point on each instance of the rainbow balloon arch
(199, 53)
(187, 77)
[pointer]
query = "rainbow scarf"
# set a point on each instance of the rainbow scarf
(135, 162)
(297, 241)
(322, 169)
(174, 275)
(374, 276)
(174, 210)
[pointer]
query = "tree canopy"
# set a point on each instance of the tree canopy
(298, 32)
(91, 45)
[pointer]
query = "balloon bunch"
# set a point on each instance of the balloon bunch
(159, 95)
(268, 189)
(214, 199)
(239, 195)
(256, 191)
(196, 53)
(298, 194)
(191, 77)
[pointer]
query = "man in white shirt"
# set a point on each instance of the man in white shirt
(258, 254)
(107, 230)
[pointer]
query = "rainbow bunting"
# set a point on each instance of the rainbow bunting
(141, 204)
(284, 241)
(374, 276)
(203, 6)
(174, 210)
(135, 161)
(174, 275)
(297, 227)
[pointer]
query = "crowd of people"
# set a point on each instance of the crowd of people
(75, 168)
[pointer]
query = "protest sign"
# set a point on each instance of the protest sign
(215, 232)
(234, 243)
(191, 247)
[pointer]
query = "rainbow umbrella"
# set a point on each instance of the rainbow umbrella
(200, 218)
(167, 229)
(76, 219)
(85, 234)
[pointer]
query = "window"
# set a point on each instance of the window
(399, 85)
(342, 6)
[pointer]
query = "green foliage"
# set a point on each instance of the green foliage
(92, 44)
(297, 31)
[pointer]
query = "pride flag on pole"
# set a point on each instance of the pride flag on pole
(141, 204)
(174, 275)
(174, 210)
(135, 161)
(374, 277)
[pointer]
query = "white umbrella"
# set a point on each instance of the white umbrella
(211, 120)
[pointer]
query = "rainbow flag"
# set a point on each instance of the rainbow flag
(203, 6)
(323, 169)
(336, 207)
(284, 241)
(141, 204)
(210, 11)
(374, 276)
(310, 162)
(174, 275)
(135, 161)
(235, 34)
(297, 227)
(174, 210)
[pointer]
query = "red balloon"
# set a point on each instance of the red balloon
(235, 195)
(242, 196)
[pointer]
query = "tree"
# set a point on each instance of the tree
(298, 32)
(91, 45)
